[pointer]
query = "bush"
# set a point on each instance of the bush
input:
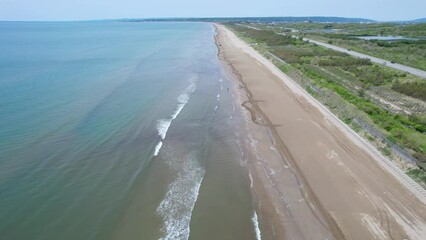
(419, 175)
(369, 74)
(344, 61)
(414, 89)
(293, 55)
(267, 37)
(400, 128)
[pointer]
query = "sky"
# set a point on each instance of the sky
(382, 10)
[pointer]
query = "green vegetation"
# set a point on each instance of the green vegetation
(351, 78)
(418, 175)
(311, 91)
(387, 29)
(386, 151)
(267, 37)
(381, 117)
(408, 52)
(413, 89)
(357, 29)
(344, 62)
(361, 69)
(370, 138)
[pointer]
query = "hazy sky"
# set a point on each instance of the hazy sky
(107, 9)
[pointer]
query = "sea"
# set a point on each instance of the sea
(120, 130)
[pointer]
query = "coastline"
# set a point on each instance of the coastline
(312, 177)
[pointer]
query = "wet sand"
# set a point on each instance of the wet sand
(314, 178)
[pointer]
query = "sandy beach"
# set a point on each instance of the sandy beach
(312, 176)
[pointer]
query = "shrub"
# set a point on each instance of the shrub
(414, 89)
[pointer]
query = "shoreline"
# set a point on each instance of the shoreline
(257, 145)
(335, 161)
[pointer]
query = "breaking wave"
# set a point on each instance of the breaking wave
(163, 125)
(176, 208)
(255, 221)
(157, 148)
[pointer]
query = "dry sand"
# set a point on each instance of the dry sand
(313, 177)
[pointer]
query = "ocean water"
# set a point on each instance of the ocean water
(115, 130)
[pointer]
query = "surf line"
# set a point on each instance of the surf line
(255, 221)
(182, 194)
(163, 125)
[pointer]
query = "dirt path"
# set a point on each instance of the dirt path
(314, 178)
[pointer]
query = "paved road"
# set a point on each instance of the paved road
(401, 67)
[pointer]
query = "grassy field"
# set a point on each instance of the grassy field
(356, 29)
(363, 86)
(407, 52)
(410, 53)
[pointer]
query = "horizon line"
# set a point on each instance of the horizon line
(229, 17)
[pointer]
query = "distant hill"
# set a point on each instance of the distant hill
(262, 19)
(318, 19)
(421, 20)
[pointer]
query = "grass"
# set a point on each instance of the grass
(410, 53)
(418, 175)
(358, 29)
(401, 129)
(386, 151)
(311, 91)
(413, 89)
(407, 52)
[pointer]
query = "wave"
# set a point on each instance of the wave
(255, 221)
(178, 204)
(183, 99)
(163, 125)
(157, 148)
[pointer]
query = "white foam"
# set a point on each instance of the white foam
(177, 111)
(163, 125)
(178, 204)
(251, 180)
(183, 99)
(255, 221)
(176, 207)
(157, 148)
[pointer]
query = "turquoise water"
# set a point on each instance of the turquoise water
(113, 130)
